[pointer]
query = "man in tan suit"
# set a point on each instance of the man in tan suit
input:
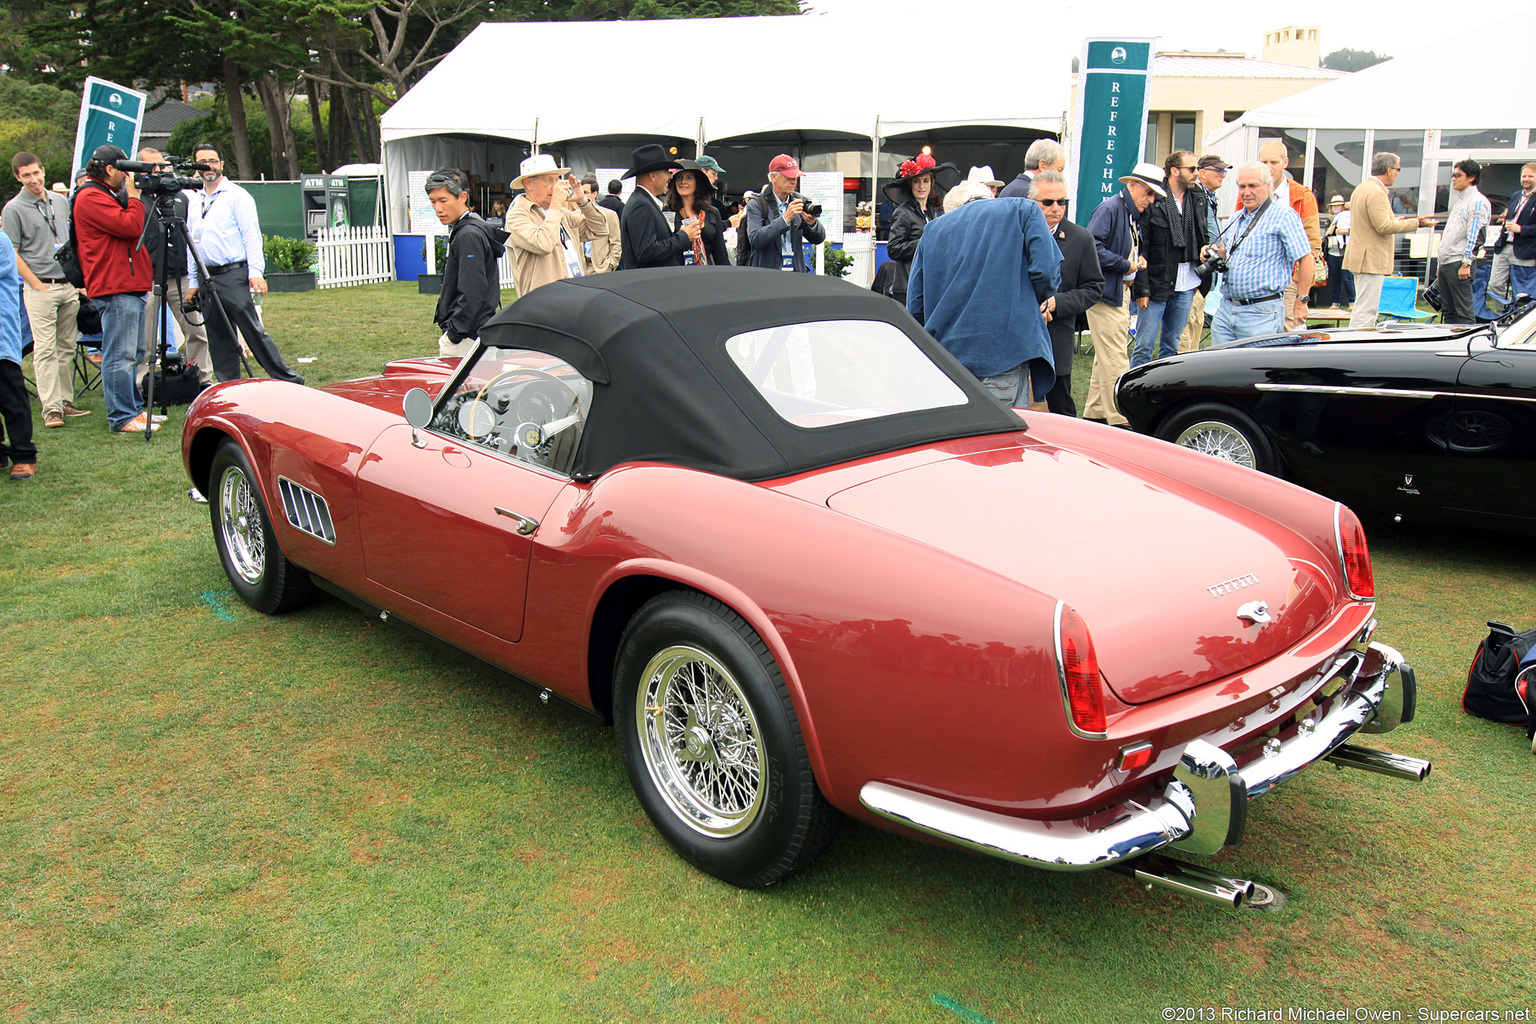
(606, 251)
(1369, 252)
(549, 224)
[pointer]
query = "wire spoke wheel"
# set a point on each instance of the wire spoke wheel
(242, 525)
(1214, 437)
(700, 741)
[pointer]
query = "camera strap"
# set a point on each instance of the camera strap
(1249, 230)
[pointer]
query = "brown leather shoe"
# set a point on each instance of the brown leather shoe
(53, 419)
(23, 470)
(70, 409)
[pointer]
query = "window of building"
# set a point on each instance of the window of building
(1183, 132)
(1495, 138)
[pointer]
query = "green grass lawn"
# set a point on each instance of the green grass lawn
(211, 815)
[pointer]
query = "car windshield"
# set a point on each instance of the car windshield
(526, 405)
(1521, 333)
(834, 371)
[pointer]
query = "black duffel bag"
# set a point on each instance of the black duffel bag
(176, 384)
(1491, 691)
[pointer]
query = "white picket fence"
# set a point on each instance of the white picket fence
(361, 255)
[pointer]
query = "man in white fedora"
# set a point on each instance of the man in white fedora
(549, 224)
(1116, 229)
(983, 176)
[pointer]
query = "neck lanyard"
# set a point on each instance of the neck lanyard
(1251, 224)
(45, 206)
(208, 199)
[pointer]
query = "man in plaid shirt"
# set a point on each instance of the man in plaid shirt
(1262, 243)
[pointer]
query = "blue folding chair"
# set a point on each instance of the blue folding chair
(1399, 296)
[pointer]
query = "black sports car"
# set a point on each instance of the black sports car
(1426, 424)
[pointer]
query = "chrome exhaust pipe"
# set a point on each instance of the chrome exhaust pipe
(1187, 879)
(1383, 762)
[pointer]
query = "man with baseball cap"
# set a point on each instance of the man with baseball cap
(118, 274)
(646, 239)
(712, 169)
(777, 224)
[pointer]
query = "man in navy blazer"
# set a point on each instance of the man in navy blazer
(776, 213)
(647, 240)
(1514, 252)
(1082, 284)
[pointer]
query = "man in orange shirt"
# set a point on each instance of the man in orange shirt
(1288, 190)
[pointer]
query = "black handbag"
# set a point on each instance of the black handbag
(88, 320)
(176, 383)
(1432, 297)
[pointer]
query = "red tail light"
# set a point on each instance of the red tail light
(1077, 667)
(1354, 555)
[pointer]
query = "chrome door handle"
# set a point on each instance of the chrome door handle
(525, 526)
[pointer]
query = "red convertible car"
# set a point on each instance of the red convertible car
(765, 525)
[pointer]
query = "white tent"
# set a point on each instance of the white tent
(536, 84)
(1472, 81)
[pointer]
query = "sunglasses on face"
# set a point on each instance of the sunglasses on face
(1052, 202)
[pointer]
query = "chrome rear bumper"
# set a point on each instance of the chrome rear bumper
(1204, 807)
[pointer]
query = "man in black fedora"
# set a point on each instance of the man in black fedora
(647, 241)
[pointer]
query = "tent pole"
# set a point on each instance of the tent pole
(535, 137)
(698, 142)
(874, 184)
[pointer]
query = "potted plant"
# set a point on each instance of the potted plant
(432, 284)
(290, 263)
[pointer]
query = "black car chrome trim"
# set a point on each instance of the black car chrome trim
(306, 511)
(1322, 389)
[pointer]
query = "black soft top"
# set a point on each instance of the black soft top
(653, 344)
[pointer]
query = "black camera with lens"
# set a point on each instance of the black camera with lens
(1216, 264)
(811, 209)
(192, 305)
(150, 178)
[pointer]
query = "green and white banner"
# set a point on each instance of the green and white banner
(108, 113)
(1113, 93)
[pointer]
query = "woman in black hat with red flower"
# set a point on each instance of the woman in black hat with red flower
(917, 190)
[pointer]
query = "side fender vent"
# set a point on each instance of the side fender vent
(306, 510)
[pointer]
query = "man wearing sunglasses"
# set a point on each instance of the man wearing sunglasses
(1212, 172)
(1175, 231)
(1082, 284)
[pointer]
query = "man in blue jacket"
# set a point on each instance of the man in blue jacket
(978, 278)
(776, 221)
(16, 447)
(1116, 229)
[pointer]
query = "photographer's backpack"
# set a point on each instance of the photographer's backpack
(1501, 683)
(69, 253)
(743, 254)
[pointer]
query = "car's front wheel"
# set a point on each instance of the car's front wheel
(712, 745)
(253, 561)
(1222, 431)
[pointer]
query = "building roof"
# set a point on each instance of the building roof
(1233, 65)
(160, 120)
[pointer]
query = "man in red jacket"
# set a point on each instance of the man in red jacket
(118, 273)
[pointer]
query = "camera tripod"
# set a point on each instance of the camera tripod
(175, 228)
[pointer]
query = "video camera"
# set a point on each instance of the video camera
(164, 183)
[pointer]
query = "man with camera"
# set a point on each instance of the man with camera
(37, 222)
(779, 220)
(109, 229)
(1257, 256)
(194, 337)
(224, 229)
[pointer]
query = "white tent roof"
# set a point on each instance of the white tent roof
(1474, 81)
(738, 76)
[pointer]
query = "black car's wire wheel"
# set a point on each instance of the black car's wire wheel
(712, 745)
(242, 531)
(1221, 431)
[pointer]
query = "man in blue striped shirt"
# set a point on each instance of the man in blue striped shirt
(1262, 244)
(1458, 246)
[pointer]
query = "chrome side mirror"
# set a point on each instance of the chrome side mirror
(418, 413)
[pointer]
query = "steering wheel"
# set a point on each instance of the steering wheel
(533, 435)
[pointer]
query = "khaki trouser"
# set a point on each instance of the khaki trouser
(54, 330)
(1194, 328)
(1289, 298)
(1111, 329)
(1362, 315)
